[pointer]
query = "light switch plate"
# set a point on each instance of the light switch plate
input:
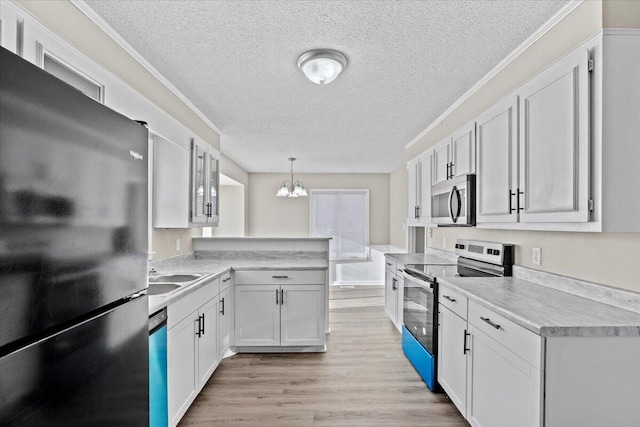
(177, 245)
(537, 256)
(444, 242)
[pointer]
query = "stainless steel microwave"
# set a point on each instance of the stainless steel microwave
(453, 203)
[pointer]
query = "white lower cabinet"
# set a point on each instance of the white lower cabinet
(193, 345)
(224, 313)
(489, 366)
(394, 292)
(452, 357)
(279, 309)
(182, 351)
(279, 315)
(503, 389)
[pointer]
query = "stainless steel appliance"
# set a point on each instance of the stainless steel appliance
(73, 256)
(421, 294)
(453, 202)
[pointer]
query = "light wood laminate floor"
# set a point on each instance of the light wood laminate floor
(363, 379)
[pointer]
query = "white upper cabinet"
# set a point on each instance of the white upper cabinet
(455, 156)
(554, 143)
(413, 197)
(205, 181)
(441, 160)
(497, 169)
(463, 152)
(10, 28)
(170, 184)
(419, 190)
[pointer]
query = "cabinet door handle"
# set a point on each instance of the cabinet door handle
(388, 263)
(418, 209)
(203, 323)
(277, 297)
(281, 296)
(199, 331)
(449, 298)
(518, 200)
(393, 284)
(464, 344)
(494, 325)
(451, 170)
(222, 306)
(511, 208)
(226, 280)
(447, 170)
(280, 277)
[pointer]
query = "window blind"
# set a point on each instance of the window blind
(342, 215)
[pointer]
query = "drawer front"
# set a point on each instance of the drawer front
(180, 309)
(514, 337)
(280, 277)
(225, 281)
(453, 300)
(390, 264)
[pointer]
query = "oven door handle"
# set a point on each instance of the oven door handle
(421, 283)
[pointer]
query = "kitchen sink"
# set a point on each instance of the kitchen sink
(174, 278)
(161, 288)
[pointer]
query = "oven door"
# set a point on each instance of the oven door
(419, 310)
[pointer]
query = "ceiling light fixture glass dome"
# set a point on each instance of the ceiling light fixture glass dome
(322, 66)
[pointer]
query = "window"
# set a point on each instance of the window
(342, 215)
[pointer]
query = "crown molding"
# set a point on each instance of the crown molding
(557, 17)
(104, 26)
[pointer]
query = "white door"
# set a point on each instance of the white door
(257, 315)
(302, 315)
(463, 151)
(497, 175)
(554, 143)
(441, 159)
(207, 341)
(425, 188)
(181, 366)
(412, 192)
(452, 357)
(224, 307)
(390, 306)
(503, 390)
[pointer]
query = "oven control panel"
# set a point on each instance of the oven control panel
(496, 253)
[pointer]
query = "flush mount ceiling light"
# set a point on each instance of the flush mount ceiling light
(292, 188)
(322, 66)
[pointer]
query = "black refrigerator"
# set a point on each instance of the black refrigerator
(73, 256)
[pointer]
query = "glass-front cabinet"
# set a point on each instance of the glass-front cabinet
(205, 181)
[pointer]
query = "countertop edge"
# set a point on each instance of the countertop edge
(549, 331)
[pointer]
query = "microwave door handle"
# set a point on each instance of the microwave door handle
(456, 216)
(450, 204)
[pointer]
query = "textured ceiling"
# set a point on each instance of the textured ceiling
(408, 62)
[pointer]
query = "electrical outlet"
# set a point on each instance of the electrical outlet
(537, 256)
(404, 226)
(177, 245)
(444, 242)
(430, 232)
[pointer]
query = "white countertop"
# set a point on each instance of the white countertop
(544, 310)
(214, 267)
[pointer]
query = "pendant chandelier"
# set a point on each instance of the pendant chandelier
(291, 188)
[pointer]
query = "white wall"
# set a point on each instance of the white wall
(398, 208)
(231, 212)
(280, 216)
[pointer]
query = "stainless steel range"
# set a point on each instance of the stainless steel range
(420, 330)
